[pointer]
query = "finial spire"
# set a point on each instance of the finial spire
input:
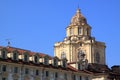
(78, 10)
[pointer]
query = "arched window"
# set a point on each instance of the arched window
(26, 57)
(97, 57)
(55, 62)
(46, 60)
(36, 59)
(63, 55)
(15, 55)
(3, 54)
(79, 30)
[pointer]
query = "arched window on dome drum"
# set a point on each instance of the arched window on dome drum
(97, 57)
(63, 55)
(79, 30)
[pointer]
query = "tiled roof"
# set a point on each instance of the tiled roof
(22, 51)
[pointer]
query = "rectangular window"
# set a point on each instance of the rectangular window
(80, 78)
(4, 68)
(56, 75)
(37, 72)
(65, 76)
(46, 73)
(73, 77)
(26, 71)
(15, 69)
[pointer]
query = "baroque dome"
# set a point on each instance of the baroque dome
(78, 19)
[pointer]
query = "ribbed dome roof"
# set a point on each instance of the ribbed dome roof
(78, 18)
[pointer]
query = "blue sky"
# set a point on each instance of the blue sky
(37, 24)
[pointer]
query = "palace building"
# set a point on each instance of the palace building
(78, 57)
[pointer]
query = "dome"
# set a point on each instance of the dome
(78, 19)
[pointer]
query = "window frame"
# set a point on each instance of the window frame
(97, 57)
(5, 53)
(55, 61)
(15, 55)
(37, 72)
(56, 75)
(46, 60)
(46, 73)
(4, 68)
(26, 71)
(15, 70)
(36, 61)
(26, 57)
(79, 30)
(63, 55)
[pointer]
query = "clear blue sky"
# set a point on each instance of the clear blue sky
(37, 24)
